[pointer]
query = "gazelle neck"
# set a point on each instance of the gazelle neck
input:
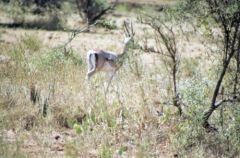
(124, 50)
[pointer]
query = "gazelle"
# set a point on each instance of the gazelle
(110, 62)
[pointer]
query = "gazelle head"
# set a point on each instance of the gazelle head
(127, 40)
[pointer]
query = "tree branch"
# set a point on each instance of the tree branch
(232, 99)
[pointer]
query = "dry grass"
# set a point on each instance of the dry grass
(79, 120)
(87, 123)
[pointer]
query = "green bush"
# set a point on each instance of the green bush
(190, 138)
(92, 10)
(107, 24)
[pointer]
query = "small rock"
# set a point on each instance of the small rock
(57, 137)
(11, 136)
(4, 59)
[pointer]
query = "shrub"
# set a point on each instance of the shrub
(92, 10)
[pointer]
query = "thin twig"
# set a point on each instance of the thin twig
(74, 33)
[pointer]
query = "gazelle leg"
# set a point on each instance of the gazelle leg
(91, 70)
(90, 73)
(110, 79)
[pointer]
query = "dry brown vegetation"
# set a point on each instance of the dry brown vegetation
(48, 109)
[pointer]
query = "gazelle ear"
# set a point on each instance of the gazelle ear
(132, 31)
(128, 29)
